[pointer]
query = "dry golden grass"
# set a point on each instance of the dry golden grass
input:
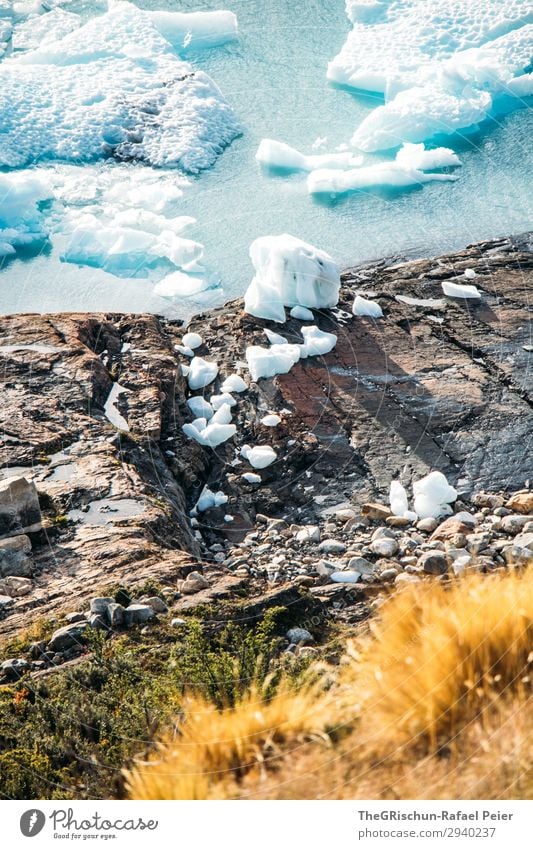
(434, 704)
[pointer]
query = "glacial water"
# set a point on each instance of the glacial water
(275, 79)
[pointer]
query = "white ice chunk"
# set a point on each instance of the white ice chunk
(268, 362)
(390, 174)
(208, 499)
(179, 284)
(216, 433)
(316, 342)
(202, 373)
(433, 495)
(398, 500)
(416, 156)
(222, 415)
(200, 407)
(234, 383)
(271, 420)
(192, 340)
(218, 401)
(434, 303)
(290, 272)
(250, 477)
(469, 273)
(275, 338)
(110, 409)
(196, 30)
(280, 155)
(302, 314)
(182, 349)
(363, 306)
(260, 456)
(460, 290)
(21, 221)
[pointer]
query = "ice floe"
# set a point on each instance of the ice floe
(389, 174)
(114, 86)
(286, 158)
(21, 221)
(290, 272)
(439, 63)
(365, 307)
(196, 30)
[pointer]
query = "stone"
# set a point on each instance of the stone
(116, 615)
(67, 637)
(37, 649)
(428, 525)
(299, 636)
(513, 524)
(15, 587)
(332, 546)
(452, 527)
(75, 617)
(521, 502)
(304, 581)
(14, 560)
(157, 604)
(97, 621)
(361, 564)
(324, 568)
(177, 623)
(460, 565)
(137, 614)
(194, 583)
(524, 540)
(347, 577)
(344, 514)
(14, 668)
(517, 556)
(100, 605)
(384, 547)
(485, 499)
(405, 578)
(5, 603)
(398, 521)
(375, 512)
(20, 512)
(433, 562)
(311, 533)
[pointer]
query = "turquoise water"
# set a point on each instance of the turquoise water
(275, 78)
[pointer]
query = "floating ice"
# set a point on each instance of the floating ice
(316, 342)
(290, 273)
(21, 222)
(271, 420)
(202, 373)
(286, 158)
(362, 306)
(208, 499)
(234, 383)
(199, 407)
(196, 30)
(192, 340)
(325, 181)
(460, 290)
(111, 87)
(439, 63)
(433, 495)
(260, 456)
(416, 156)
(302, 314)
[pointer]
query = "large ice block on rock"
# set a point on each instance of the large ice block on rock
(289, 273)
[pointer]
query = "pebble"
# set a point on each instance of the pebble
(384, 547)
(332, 546)
(433, 562)
(309, 534)
(347, 577)
(428, 525)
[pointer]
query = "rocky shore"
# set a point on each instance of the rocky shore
(98, 479)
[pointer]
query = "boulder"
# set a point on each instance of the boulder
(193, 583)
(137, 614)
(14, 560)
(116, 615)
(157, 604)
(99, 605)
(433, 562)
(453, 527)
(521, 502)
(67, 637)
(19, 507)
(14, 668)
(15, 587)
(384, 546)
(300, 636)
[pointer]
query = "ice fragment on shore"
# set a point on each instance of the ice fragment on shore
(192, 340)
(234, 383)
(217, 401)
(199, 407)
(302, 314)
(364, 307)
(458, 290)
(433, 495)
(290, 272)
(270, 420)
(268, 362)
(208, 499)
(110, 410)
(201, 373)
(250, 477)
(260, 456)
(316, 342)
